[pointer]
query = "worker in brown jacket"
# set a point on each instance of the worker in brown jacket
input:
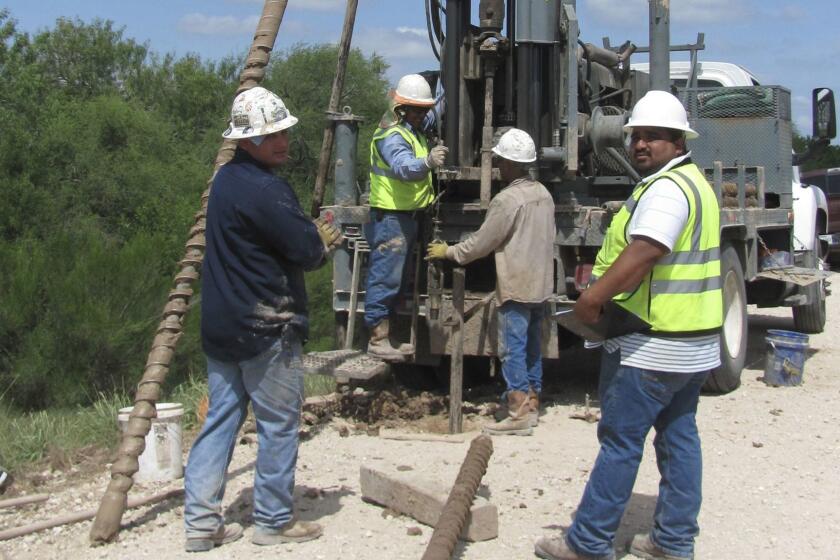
(519, 229)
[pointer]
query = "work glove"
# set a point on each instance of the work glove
(436, 157)
(330, 234)
(436, 251)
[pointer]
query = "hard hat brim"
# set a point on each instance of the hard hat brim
(518, 160)
(690, 133)
(238, 134)
(400, 100)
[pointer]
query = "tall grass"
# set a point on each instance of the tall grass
(58, 435)
(65, 436)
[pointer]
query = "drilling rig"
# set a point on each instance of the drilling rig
(523, 64)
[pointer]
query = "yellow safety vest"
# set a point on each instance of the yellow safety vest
(386, 190)
(682, 293)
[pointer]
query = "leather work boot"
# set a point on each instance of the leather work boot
(225, 534)
(644, 547)
(292, 532)
(555, 548)
(534, 402)
(518, 421)
(380, 344)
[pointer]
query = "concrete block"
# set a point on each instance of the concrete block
(423, 500)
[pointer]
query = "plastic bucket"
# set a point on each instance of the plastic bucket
(785, 363)
(161, 460)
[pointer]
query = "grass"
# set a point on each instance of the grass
(62, 437)
(59, 436)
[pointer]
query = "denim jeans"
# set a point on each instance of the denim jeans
(632, 401)
(273, 383)
(520, 339)
(391, 241)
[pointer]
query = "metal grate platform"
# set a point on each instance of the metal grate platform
(344, 364)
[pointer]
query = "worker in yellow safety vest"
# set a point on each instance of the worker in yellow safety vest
(401, 163)
(660, 260)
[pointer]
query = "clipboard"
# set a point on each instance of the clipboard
(614, 321)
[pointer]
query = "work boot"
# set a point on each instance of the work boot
(555, 548)
(644, 547)
(380, 347)
(534, 402)
(225, 534)
(518, 421)
(292, 532)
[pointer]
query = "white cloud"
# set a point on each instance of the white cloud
(402, 42)
(682, 11)
(413, 31)
(315, 5)
(405, 49)
(203, 24)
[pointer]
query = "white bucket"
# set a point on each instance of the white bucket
(161, 460)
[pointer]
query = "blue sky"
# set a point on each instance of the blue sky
(793, 43)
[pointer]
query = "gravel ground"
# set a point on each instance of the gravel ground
(771, 485)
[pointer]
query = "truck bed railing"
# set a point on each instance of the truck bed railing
(740, 186)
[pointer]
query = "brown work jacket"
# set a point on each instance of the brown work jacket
(519, 228)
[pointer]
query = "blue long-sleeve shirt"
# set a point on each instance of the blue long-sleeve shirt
(259, 243)
(399, 155)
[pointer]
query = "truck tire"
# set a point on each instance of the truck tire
(733, 337)
(810, 318)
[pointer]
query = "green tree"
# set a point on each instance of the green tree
(826, 157)
(107, 147)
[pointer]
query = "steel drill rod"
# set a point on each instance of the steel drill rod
(456, 370)
(106, 526)
(452, 519)
(335, 97)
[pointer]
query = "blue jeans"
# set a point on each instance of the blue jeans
(632, 401)
(273, 383)
(391, 241)
(520, 326)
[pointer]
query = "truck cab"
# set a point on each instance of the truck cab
(827, 181)
(709, 74)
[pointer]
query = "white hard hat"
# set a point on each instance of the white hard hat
(516, 145)
(662, 110)
(414, 90)
(257, 112)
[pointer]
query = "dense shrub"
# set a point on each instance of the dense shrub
(105, 152)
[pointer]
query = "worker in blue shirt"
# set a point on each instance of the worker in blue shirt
(401, 163)
(253, 325)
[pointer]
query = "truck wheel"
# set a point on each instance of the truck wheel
(810, 318)
(733, 338)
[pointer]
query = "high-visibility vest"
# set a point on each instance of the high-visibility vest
(682, 293)
(386, 190)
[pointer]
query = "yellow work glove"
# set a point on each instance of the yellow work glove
(329, 233)
(436, 251)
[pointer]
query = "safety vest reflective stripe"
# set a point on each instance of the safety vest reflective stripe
(630, 204)
(698, 209)
(682, 293)
(685, 286)
(691, 257)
